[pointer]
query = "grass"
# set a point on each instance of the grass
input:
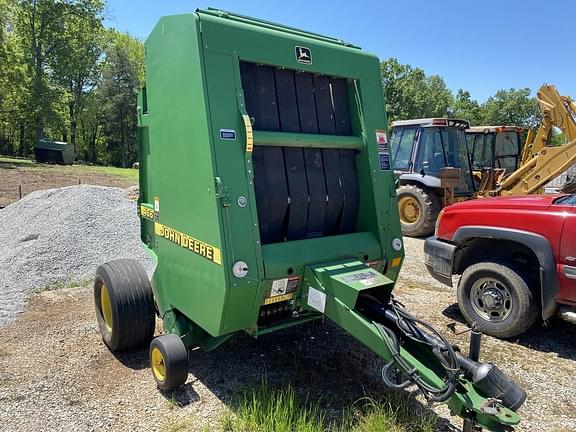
(179, 425)
(16, 161)
(129, 173)
(58, 285)
(263, 409)
(173, 402)
(78, 170)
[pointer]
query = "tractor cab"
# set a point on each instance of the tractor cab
(496, 147)
(422, 151)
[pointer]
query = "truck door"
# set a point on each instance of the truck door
(567, 257)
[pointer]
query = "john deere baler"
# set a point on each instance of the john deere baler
(267, 199)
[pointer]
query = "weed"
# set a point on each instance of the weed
(173, 402)
(179, 425)
(61, 284)
(263, 409)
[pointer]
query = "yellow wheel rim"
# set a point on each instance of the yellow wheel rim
(409, 209)
(158, 366)
(106, 307)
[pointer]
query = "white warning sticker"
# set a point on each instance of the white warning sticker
(316, 299)
(381, 140)
(279, 287)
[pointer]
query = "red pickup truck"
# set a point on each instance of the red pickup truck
(516, 257)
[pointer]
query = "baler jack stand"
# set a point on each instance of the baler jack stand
(358, 299)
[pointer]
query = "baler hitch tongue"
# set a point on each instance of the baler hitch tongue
(358, 299)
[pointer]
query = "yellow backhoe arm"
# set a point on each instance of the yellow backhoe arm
(531, 177)
(542, 163)
(557, 110)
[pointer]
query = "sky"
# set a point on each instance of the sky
(480, 46)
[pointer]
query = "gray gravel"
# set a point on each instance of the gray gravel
(57, 237)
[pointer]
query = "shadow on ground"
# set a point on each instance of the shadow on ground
(556, 336)
(134, 359)
(320, 361)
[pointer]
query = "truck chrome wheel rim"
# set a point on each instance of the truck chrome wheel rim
(106, 306)
(158, 366)
(491, 299)
(409, 209)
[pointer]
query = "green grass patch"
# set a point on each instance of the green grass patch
(77, 170)
(179, 425)
(129, 173)
(58, 285)
(85, 170)
(263, 409)
(15, 161)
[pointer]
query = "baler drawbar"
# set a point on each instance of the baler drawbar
(267, 199)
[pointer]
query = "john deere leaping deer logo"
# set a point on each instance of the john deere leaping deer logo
(303, 55)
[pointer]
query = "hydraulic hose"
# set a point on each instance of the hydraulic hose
(394, 323)
(408, 327)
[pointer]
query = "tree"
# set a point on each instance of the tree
(122, 78)
(78, 61)
(511, 107)
(410, 93)
(41, 26)
(13, 81)
(467, 108)
(439, 98)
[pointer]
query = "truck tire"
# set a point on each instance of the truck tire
(124, 304)
(418, 209)
(497, 297)
(169, 361)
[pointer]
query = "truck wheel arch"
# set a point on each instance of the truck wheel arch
(539, 246)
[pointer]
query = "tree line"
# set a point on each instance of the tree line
(64, 76)
(410, 93)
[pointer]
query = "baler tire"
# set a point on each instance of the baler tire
(503, 277)
(168, 361)
(429, 207)
(124, 303)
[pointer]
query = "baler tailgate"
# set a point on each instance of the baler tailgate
(300, 192)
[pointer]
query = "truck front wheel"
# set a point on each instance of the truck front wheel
(497, 297)
(418, 209)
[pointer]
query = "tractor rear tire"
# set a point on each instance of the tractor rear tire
(497, 297)
(169, 361)
(124, 303)
(419, 209)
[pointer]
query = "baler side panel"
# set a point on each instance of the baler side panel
(239, 222)
(378, 211)
(181, 173)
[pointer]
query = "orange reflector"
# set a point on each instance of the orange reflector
(396, 262)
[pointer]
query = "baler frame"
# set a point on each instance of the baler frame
(236, 130)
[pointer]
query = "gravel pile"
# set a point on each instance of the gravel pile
(57, 237)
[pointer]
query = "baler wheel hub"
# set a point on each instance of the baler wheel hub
(158, 365)
(106, 307)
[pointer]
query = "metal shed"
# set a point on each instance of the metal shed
(54, 152)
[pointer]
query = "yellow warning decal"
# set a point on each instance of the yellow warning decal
(193, 245)
(146, 212)
(278, 299)
(249, 133)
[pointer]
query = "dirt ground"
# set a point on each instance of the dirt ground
(29, 177)
(56, 373)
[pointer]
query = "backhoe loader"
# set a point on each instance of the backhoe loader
(542, 162)
(454, 178)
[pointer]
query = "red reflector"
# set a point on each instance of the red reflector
(441, 122)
